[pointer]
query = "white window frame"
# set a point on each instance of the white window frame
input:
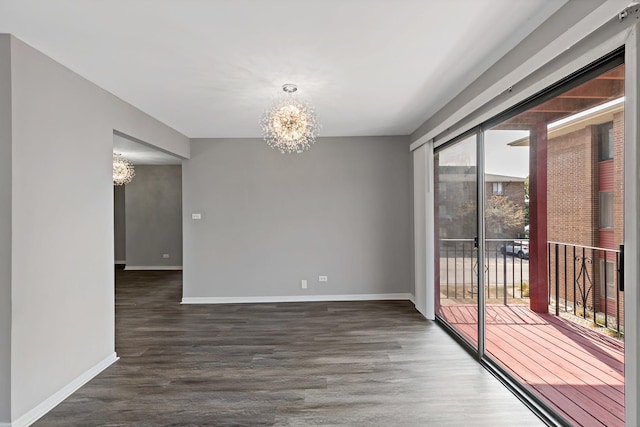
(605, 210)
(611, 287)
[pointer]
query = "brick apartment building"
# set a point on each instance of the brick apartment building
(585, 201)
(456, 215)
(584, 206)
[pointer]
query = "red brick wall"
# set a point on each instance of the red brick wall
(575, 178)
(618, 192)
(611, 178)
(605, 175)
(514, 191)
(618, 180)
(571, 181)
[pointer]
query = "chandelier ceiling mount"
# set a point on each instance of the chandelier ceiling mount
(289, 87)
(290, 125)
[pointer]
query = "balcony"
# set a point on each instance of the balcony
(572, 358)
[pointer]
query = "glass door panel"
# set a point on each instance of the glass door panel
(455, 179)
(553, 184)
(506, 216)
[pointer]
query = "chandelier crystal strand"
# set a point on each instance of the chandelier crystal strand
(123, 171)
(290, 124)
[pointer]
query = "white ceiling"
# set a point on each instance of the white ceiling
(208, 68)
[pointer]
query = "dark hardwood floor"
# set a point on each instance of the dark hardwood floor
(337, 363)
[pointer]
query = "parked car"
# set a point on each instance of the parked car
(519, 249)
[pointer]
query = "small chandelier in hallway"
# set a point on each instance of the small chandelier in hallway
(123, 171)
(290, 124)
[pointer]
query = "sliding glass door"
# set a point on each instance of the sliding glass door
(456, 247)
(554, 232)
(529, 244)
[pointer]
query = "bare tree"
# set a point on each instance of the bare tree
(503, 217)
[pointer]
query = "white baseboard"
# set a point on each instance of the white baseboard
(153, 267)
(296, 298)
(118, 262)
(36, 413)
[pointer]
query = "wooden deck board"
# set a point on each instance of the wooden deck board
(577, 371)
(570, 359)
(567, 374)
(529, 375)
(605, 362)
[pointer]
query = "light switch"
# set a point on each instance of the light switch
(196, 216)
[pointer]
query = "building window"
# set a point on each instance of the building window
(606, 209)
(442, 189)
(604, 133)
(498, 189)
(607, 277)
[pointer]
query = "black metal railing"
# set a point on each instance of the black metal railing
(506, 268)
(588, 282)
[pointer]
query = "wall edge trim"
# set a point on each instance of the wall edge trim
(54, 400)
(297, 298)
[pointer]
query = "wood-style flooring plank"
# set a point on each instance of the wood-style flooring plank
(373, 363)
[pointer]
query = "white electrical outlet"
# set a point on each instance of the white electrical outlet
(323, 279)
(303, 283)
(165, 256)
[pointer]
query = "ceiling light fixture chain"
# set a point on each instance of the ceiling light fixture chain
(290, 124)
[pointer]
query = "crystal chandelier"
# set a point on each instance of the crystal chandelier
(123, 171)
(290, 125)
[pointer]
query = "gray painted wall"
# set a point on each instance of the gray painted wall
(5, 229)
(119, 223)
(62, 228)
(62, 223)
(154, 217)
(269, 220)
